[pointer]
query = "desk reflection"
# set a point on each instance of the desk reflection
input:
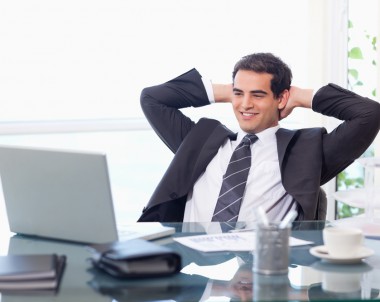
(243, 286)
(219, 276)
(343, 282)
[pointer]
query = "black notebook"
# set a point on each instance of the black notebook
(31, 272)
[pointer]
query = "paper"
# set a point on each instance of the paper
(235, 242)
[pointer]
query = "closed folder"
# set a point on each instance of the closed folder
(31, 272)
(135, 258)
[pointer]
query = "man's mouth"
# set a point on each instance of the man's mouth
(248, 115)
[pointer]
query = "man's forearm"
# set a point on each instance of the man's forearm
(222, 92)
(302, 97)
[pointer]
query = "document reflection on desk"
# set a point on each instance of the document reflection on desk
(31, 273)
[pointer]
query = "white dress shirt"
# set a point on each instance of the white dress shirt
(264, 187)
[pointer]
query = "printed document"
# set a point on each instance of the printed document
(235, 242)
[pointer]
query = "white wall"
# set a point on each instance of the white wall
(90, 58)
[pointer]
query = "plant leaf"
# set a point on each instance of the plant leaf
(355, 53)
(354, 73)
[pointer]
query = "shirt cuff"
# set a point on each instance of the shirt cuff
(210, 92)
(314, 91)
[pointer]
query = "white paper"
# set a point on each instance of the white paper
(235, 242)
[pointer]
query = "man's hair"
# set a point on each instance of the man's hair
(267, 63)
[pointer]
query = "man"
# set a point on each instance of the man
(287, 167)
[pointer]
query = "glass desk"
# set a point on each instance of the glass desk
(221, 276)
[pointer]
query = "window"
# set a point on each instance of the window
(363, 76)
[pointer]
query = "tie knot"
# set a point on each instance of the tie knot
(249, 139)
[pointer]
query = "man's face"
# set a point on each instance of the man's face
(254, 104)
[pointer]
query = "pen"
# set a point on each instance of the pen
(262, 216)
(289, 218)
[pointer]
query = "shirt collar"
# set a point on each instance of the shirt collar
(265, 135)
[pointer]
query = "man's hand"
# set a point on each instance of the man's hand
(298, 97)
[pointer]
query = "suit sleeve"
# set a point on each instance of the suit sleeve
(347, 142)
(161, 105)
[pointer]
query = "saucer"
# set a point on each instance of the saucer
(321, 252)
(337, 268)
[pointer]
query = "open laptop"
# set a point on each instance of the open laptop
(64, 194)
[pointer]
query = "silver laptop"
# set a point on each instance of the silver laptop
(64, 195)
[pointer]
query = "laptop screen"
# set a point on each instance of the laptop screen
(58, 194)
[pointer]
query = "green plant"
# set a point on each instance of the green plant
(355, 77)
(365, 54)
(344, 182)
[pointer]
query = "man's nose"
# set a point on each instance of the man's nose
(247, 102)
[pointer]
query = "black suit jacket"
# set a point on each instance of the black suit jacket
(308, 158)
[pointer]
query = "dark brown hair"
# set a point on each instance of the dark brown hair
(267, 63)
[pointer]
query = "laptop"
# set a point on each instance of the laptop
(64, 194)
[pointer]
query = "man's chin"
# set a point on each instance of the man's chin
(250, 130)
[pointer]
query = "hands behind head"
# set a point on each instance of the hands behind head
(298, 97)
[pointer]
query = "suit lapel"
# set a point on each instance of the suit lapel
(191, 159)
(284, 136)
(300, 166)
(210, 148)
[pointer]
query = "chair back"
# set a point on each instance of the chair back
(321, 206)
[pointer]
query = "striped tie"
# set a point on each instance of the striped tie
(234, 181)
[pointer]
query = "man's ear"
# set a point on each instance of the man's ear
(283, 99)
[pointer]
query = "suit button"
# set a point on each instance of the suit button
(173, 195)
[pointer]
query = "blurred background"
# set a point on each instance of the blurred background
(71, 72)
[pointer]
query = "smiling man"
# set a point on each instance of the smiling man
(219, 175)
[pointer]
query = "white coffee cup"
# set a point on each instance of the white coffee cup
(342, 242)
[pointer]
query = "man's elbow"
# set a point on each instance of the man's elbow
(148, 101)
(371, 120)
(145, 96)
(376, 115)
